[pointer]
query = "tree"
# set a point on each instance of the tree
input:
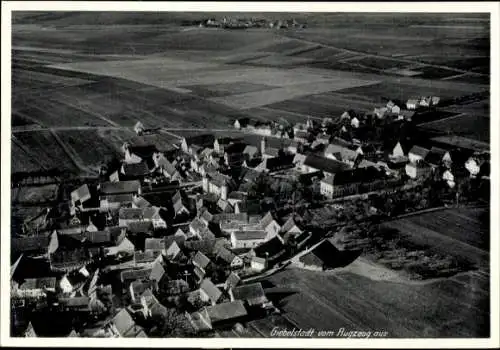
(171, 324)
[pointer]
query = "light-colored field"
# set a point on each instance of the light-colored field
(280, 60)
(263, 98)
(138, 69)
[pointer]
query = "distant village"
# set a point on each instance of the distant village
(177, 242)
(243, 23)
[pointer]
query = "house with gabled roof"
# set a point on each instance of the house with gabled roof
(122, 325)
(79, 198)
(276, 163)
(214, 316)
(412, 104)
(178, 204)
(227, 257)
(140, 202)
(134, 170)
(419, 169)
(269, 224)
(252, 294)
(232, 281)
(417, 153)
(201, 141)
(436, 156)
(153, 214)
(154, 244)
(292, 225)
(340, 153)
(270, 250)
(209, 292)
(248, 238)
(121, 187)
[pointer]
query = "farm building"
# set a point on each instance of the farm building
(122, 187)
(198, 141)
(209, 292)
(323, 256)
(220, 315)
(341, 153)
(314, 163)
(274, 164)
(248, 238)
(417, 153)
(420, 169)
(251, 294)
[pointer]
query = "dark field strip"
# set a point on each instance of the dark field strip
(404, 310)
(476, 127)
(42, 146)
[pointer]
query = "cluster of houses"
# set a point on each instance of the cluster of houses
(183, 221)
(242, 23)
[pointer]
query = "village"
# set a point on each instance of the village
(177, 242)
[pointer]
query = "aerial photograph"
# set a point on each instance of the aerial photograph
(250, 175)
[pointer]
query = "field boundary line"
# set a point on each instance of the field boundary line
(23, 148)
(71, 153)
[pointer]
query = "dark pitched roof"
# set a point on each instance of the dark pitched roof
(250, 235)
(203, 140)
(420, 151)
(324, 254)
(226, 311)
(135, 169)
(140, 227)
(326, 165)
(130, 213)
(132, 275)
(143, 151)
(225, 255)
(279, 162)
(252, 293)
(154, 244)
(29, 244)
(249, 206)
(237, 147)
(146, 257)
(120, 187)
(270, 249)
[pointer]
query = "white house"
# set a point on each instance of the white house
(258, 264)
(412, 104)
(397, 151)
(418, 170)
(248, 238)
(449, 178)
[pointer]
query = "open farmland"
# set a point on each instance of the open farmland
(454, 307)
(459, 232)
(43, 146)
(476, 127)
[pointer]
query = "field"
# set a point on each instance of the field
(455, 307)
(44, 149)
(166, 73)
(475, 127)
(34, 195)
(458, 232)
